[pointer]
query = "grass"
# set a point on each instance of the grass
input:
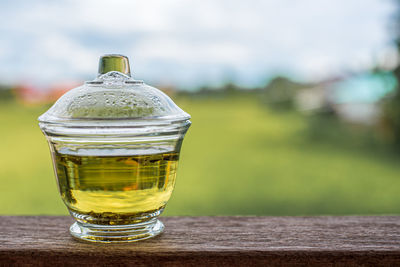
(239, 158)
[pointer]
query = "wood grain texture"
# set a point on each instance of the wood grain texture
(212, 241)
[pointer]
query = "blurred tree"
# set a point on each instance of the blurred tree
(281, 91)
(6, 93)
(392, 113)
(392, 104)
(230, 88)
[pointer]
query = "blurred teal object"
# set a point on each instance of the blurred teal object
(364, 88)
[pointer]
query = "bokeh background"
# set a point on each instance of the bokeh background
(295, 104)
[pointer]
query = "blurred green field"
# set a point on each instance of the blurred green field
(239, 158)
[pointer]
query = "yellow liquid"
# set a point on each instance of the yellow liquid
(116, 189)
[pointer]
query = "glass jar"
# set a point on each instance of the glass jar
(115, 145)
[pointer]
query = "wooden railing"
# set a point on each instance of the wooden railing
(211, 241)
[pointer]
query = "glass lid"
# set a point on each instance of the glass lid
(113, 99)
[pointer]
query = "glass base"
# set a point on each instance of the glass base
(116, 234)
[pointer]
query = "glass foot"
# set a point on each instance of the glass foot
(116, 233)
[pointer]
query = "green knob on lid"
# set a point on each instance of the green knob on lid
(113, 62)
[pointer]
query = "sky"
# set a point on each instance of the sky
(194, 43)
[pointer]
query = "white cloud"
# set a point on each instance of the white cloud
(194, 42)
